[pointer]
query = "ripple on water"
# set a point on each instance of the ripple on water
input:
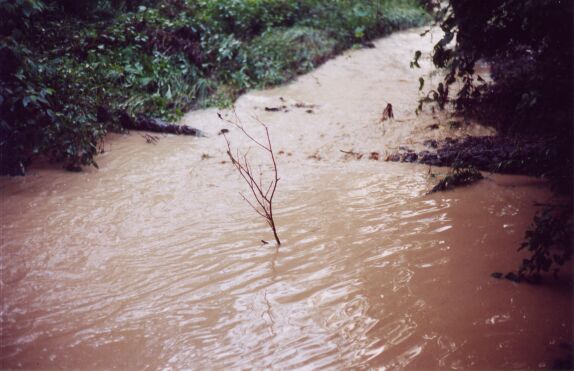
(349, 287)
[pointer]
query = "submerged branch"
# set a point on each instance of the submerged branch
(263, 196)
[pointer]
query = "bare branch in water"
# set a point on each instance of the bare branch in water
(262, 196)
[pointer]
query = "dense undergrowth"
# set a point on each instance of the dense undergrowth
(71, 69)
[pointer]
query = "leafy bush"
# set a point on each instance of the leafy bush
(42, 111)
(280, 54)
(354, 21)
(247, 18)
(528, 45)
(549, 241)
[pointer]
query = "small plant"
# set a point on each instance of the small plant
(261, 194)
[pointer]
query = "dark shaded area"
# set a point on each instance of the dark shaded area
(458, 177)
(529, 46)
(503, 154)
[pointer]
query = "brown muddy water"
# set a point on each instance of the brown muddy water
(154, 261)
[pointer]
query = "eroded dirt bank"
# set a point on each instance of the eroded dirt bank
(154, 261)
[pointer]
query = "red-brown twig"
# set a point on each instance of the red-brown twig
(262, 196)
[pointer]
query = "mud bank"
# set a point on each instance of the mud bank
(502, 154)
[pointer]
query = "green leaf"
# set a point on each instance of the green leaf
(27, 100)
(145, 81)
(27, 9)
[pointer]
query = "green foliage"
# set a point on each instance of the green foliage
(280, 54)
(355, 21)
(40, 112)
(246, 18)
(72, 69)
(528, 45)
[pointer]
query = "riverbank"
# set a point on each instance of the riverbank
(74, 70)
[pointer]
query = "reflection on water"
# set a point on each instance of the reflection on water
(154, 261)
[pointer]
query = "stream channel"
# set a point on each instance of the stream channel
(155, 261)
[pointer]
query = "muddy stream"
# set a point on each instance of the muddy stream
(154, 260)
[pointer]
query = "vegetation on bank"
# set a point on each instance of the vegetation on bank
(529, 46)
(71, 69)
(457, 177)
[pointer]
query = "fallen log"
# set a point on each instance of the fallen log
(142, 122)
